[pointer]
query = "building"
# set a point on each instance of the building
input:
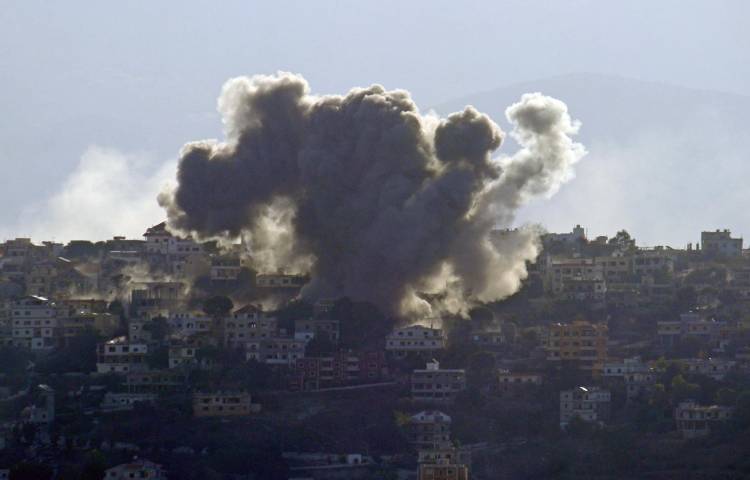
(223, 404)
(42, 408)
(34, 323)
(444, 461)
(153, 299)
(590, 404)
(283, 351)
(436, 385)
(443, 471)
(70, 327)
(342, 368)
(155, 381)
(581, 342)
(429, 429)
(574, 237)
(280, 280)
(414, 339)
(721, 244)
(118, 402)
(119, 355)
(138, 468)
(695, 420)
(248, 323)
(517, 383)
(637, 375)
(559, 272)
(225, 268)
(190, 323)
(690, 325)
(716, 368)
(307, 328)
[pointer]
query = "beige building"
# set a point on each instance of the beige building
(414, 339)
(582, 342)
(430, 429)
(695, 420)
(435, 385)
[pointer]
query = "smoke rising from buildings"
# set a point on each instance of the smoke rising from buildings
(378, 201)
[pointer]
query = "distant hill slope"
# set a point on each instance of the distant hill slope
(665, 162)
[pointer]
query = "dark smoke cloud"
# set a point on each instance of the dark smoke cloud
(378, 201)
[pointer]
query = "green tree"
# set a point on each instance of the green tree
(683, 390)
(218, 306)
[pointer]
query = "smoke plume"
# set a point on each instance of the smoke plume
(377, 200)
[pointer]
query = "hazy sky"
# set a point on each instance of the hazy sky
(86, 83)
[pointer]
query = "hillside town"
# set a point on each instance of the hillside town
(166, 357)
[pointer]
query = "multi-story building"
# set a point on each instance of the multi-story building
(226, 267)
(280, 280)
(690, 325)
(122, 401)
(34, 323)
(414, 339)
(695, 420)
(223, 404)
(246, 324)
(138, 468)
(155, 381)
(716, 368)
(637, 375)
(581, 342)
(561, 271)
(182, 354)
(119, 355)
(517, 383)
(590, 404)
(307, 328)
(282, 351)
(190, 323)
(443, 471)
(430, 429)
(342, 368)
(72, 326)
(435, 385)
(152, 299)
(720, 243)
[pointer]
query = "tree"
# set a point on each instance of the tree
(622, 240)
(30, 471)
(218, 306)
(94, 466)
(319, 345)
(683, 390)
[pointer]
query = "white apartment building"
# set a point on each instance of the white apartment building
(283, 351)
(119, 355)
(34, 323)
(415, 338)
(246, 324)
(437, 385)
(590, 404)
